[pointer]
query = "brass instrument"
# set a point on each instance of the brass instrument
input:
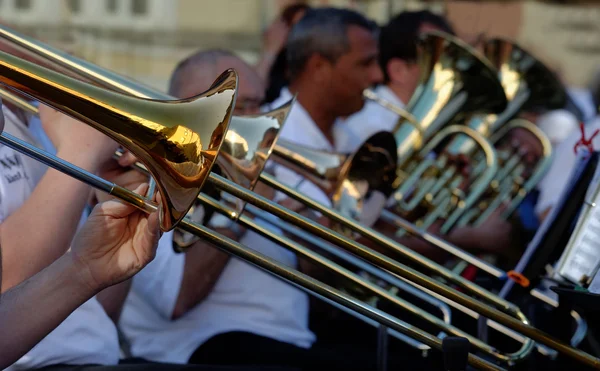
(456, 82)
(529, 85)
(67, 94)
(521, 325)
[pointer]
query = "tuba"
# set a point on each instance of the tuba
(456, 82)
(36, 82)
(529, 86)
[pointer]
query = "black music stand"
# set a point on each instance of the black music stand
(552, 237)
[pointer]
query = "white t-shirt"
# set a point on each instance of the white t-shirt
(554, 182)
(244, 298)
(374, 118)
(87, 336)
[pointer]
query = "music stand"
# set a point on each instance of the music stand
(554, 233)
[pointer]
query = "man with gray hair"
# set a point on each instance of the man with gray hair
(247, 316)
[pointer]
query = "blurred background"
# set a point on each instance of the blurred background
(144, 39)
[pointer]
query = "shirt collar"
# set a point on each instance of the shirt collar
(300, 128)
(386, 93)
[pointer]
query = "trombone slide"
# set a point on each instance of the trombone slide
(261, 261)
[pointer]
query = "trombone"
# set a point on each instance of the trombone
(527, 84)
(25, 75)
(67, 95)
(241, 138)
(355, 166)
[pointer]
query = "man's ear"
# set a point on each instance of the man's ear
(319, 68)
(397, 70)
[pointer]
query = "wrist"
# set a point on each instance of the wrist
(81, 274)
(75, 274)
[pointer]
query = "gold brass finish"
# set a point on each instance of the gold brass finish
(176, 140)
(519, 324)
(352, 182)
(454, 81)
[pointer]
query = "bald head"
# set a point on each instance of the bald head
(196, 73)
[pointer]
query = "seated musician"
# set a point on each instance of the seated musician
(397, 58)
(184, 307)
(243, 314)
(40, 211)
(39, 214)
(398, 61)
(98, 258)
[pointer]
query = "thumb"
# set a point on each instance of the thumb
(153, 232)
(127, 159)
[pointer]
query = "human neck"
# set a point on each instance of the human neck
(312, 103)
(399, 91)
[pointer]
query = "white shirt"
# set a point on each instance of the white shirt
(374, 118)
(554, 182)
(558, 125)
(87, 336)
(244, 298)
(585, 102)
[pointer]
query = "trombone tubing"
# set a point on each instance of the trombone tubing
(108, 78)
(373, 288)
(520, 325)
(232, 247)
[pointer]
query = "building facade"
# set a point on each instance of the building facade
(144, 39)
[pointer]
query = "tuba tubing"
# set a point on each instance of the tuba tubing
(248, 196)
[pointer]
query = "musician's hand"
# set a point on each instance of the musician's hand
(79, 141)
(121, 174)
(115, 243)
(264, 190)
(275, 37)
(494, 235)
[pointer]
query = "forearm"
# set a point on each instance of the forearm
(31, 310)
(113, 298)
(467, 238)
(204, 264)
(263, 67)
(41, 230)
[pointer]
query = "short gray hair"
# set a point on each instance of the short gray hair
(322, 31)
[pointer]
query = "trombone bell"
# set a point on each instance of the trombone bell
(242, 158)
(247, 146)
(177, 141)
(353, 183)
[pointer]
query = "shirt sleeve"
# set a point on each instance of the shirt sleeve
(159, 282)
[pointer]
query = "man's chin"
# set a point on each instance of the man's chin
(350, 110)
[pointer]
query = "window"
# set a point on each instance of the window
(75, 6)
(139, 7)
(23, 4)
(111, 6)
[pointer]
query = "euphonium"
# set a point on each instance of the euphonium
(68, 95)
(456, 82)
(529, 86)
(246, 148)
(519, 324)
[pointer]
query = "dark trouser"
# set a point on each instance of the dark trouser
(159, 366)
(245, 348)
